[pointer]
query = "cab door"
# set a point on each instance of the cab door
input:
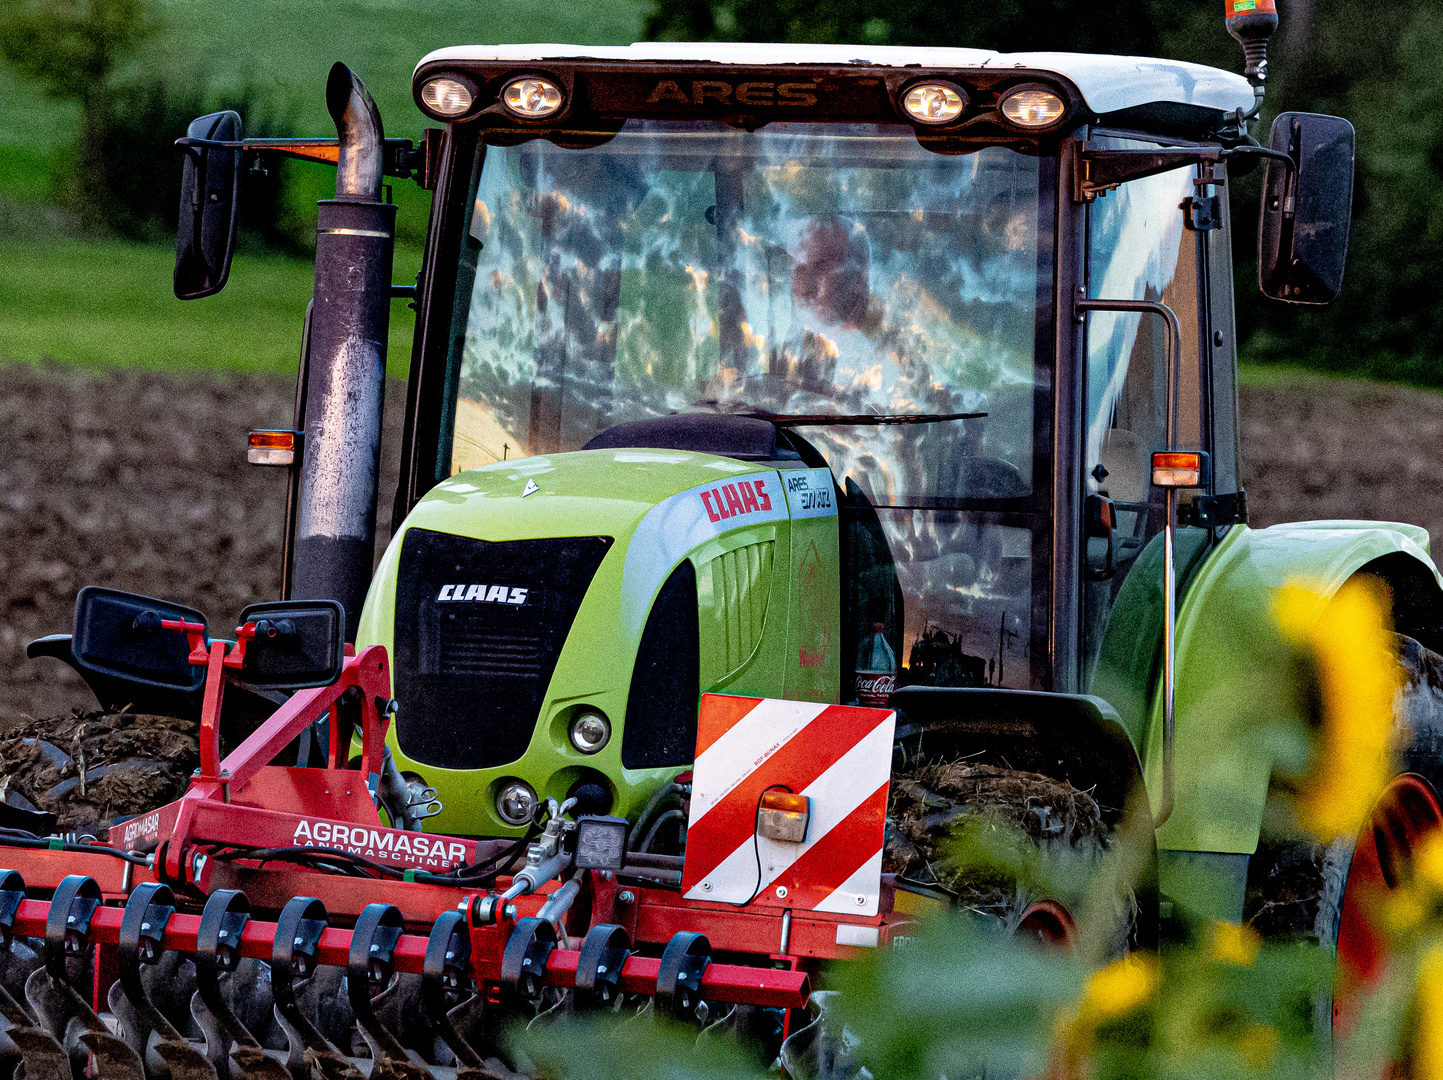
(1140, 246)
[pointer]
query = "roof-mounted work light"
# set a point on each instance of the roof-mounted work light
(1033, 107)
(532, 98)
(934, 103)
(446, 97)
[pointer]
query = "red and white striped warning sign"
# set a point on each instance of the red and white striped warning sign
(838, 756)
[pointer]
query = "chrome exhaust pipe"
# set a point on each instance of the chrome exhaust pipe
(358, 126)
(346, 376)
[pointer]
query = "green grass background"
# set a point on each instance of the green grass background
(110, 302)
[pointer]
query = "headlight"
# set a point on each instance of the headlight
(446, 97)
(934, 103)
(590, 731)
(1033, 107)
(516, 803)
(532, 98)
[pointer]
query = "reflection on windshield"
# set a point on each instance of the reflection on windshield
(966, 620)
(680, 267)
(798, 269)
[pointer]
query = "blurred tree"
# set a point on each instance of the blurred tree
(1122, 26)
(1385, 74)
(72, 48)
(124, 174)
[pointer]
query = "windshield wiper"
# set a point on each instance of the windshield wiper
(859, 419)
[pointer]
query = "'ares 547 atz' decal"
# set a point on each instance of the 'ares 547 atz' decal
(485, 594)
(809, 494)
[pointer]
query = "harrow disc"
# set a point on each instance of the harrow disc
(150, 991)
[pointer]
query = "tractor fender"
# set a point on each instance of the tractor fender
(1231, 673)
(1073, 738)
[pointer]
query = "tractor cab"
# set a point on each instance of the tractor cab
(951, 302)
(830, 374)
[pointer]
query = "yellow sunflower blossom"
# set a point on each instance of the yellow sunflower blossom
(1110, 992)
(1349, 639)
(1428, 1000)
(1235, 944)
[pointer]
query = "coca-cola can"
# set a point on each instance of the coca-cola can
(875, 687)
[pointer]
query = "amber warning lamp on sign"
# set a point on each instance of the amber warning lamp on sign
(783, 816)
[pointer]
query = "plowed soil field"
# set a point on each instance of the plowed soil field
(138, 481)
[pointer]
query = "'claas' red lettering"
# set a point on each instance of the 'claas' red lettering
(711, 511)
(734, 500)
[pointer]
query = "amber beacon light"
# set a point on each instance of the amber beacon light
(1252, 22)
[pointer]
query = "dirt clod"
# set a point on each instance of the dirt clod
(92, 768)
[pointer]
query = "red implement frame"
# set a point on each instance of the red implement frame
(236, 808)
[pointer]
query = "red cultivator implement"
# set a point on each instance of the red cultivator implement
(441, 940)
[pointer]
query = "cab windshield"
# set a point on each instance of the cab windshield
(832, 272)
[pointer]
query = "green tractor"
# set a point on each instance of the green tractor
(828, 373)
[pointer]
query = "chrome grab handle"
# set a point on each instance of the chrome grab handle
(1081, 306)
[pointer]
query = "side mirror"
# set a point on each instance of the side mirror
(118, 642)
(209, 211)
(297, 644)
(1307, 209)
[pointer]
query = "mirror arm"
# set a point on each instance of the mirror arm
(1104, 170)
(1265, 152)
(400, 157)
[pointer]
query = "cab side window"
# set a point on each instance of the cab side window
(1138, 249)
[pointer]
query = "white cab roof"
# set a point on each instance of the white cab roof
(1107, 83)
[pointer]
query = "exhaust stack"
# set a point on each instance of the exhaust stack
(346, 373)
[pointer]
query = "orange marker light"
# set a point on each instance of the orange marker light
(271, 447)
(783, 816)
(1180, 469)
